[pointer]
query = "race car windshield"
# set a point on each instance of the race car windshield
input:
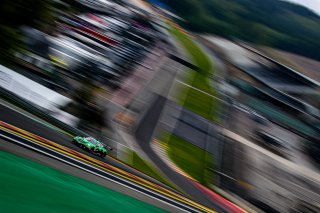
(93, 141)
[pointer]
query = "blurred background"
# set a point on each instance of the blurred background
(223, 93)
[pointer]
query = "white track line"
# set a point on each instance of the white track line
(16, 141)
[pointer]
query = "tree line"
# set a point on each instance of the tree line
(274, 23)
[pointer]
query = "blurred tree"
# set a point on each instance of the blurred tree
(15, 13)
(86, 107)
(275, 23)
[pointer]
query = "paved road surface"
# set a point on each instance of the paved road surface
(144, 134)
(19, 120)
(63, 167)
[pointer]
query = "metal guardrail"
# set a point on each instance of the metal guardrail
(24, 104)
(282, 97)
(118, 148)
(184, 62)
(258, 93)
(293, 73)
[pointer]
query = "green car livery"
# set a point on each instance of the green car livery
(92, 145)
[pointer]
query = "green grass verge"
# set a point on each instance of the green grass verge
(144, 167)
(196, 101)
(191, 159)
(31, 187)
(197, 55)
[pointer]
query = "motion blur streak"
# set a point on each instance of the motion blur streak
(99, 164)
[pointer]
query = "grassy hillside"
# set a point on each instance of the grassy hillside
(270, 22)
(197, 101)
(192, 159)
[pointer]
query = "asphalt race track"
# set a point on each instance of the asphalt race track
(25, 123)
(19, 120)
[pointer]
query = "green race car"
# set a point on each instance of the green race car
(92, 145)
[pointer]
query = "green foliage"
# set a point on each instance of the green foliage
(9, 38)
(15, 13)
(25, 12)
(269, 22)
